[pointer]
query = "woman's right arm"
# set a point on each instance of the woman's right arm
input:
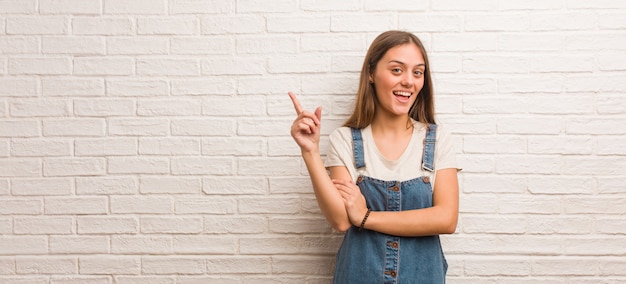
(305, 130)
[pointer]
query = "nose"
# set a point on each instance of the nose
(407, 79)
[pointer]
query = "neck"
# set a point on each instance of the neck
(396, 125)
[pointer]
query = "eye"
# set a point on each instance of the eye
(396, 70)
(418, 73)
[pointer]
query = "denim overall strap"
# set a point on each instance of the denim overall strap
(429, 148)
(357, 144)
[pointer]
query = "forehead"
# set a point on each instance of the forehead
(408, 54)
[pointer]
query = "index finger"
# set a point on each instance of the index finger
(296, 103)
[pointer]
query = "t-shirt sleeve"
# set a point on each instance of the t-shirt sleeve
(446, 148)
(340, 149)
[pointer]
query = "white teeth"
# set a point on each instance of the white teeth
(400, 93)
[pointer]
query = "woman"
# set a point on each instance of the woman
(393, 175)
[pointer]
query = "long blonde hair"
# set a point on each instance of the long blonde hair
(423, 110)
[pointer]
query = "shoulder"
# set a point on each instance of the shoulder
(343, 133)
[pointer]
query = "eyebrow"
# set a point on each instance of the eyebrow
(402, 63)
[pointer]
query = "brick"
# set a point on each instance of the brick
(530, 5)
(19, 45)
(141, 7)
(72, 87)
(18, 87)
(78, 244)
(280, 245)
(269, 205)
(169, 146)
(73, 166)
(23, 167)
(237, 106)
(201, 244)
(239, 265)
(524, 204)
(74, 127)
(18, 6)
(232, 146)
(209, 86)
(150, 279)
(500, 265)
(38, 108)
(478, 203)
(136, 87)
(103, 66)
(171, 225)
(496, 64)
(167, 26)
(506, 244)
(430, 22)
(263, 127)
(458, 5)
(611, 62)
(233, 24)
(14, 245)
(562, 186)
(40, 66)
(141, 245)
(226, 224)
(576, 21)
(528, 42)
(569, 64)
(107, 186)
(202, 7)
(447, 86)
(170, 185)
(4, 187)
(75, 205)
(173, 265)
(285, 147)
(560, 145)
(105, 147)
(362, 22)
(137, 45)
(501, 144)
(597, 205)
(83, 45)
(138, 165)
(471, 41)
(236, 185)
(7, 265)
(266, 44)
(168, 67)
(46, 265)
(493, 225)
(107, 225)
(89, 7)
(213, 205)
(104, 108)
(595, 125)
(102, 26)
(169, 107)
(43, 147)
(529, 164)
(496, 22)
(611, 146)
(21, 207)
(483, 183)
(219, 66)
(274, 85)
(39, 25)
(529, 125)
(202, 166)
(609, 225)
(560, 225)
(590, 83)
(611, 20)
(609, 184)
(203, 127)
(202, 45)
(564, 266)
(43, 225)
(109, 264)
(141, 205)
(282, 185)
(84, 279)
(299, 225)
(138, 127)
(256, 6)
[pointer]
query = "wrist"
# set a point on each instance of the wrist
(364, 220)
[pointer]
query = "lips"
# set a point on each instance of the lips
(402, 93)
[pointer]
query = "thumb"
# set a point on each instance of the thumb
(318, 113)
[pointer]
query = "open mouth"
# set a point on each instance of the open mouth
(402, 93)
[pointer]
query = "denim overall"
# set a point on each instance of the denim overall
(371, 257)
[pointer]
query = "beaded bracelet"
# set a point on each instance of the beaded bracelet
(365, 219)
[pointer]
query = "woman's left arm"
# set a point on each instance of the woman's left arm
(441, 218)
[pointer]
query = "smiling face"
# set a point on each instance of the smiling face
(398, 79)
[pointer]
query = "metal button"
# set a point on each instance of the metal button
(395, 188)
(426, 179)
(392, 273)
(359, 179)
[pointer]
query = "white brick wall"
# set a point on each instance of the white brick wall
(147, 141)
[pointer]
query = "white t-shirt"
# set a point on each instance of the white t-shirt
(408, 166)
